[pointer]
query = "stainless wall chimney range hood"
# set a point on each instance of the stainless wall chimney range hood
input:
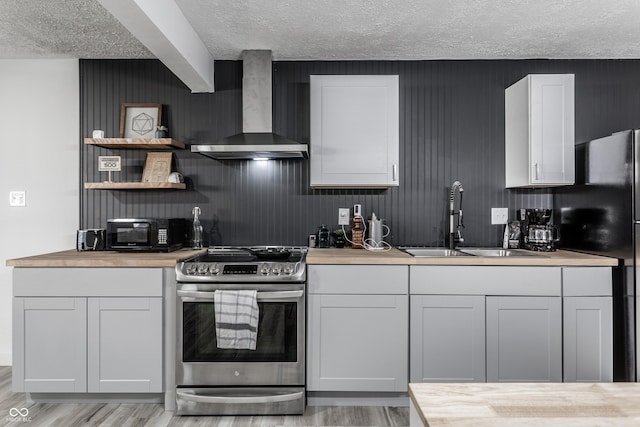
(257, 140)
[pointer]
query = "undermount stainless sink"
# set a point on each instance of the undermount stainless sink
(497, 252)
(486, 252)
(433, 252)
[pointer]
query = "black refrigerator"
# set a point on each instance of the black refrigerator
(600, 214)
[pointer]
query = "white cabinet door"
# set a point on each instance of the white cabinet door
(539, 131)
(354, 131)
(125, 345)
(552, 129)
(524, 339)
(358, 343)
(447, 342)
(588, 339)
(49, 344)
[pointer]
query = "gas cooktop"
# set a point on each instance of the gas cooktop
(246, 264)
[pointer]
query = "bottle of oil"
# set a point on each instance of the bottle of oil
(357, 233)
(196, 238)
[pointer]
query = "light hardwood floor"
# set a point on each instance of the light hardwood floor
(152, 415)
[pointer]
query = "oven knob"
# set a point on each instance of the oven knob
(215, 269)
(264, 269)
(288, 269)
(203, 268)
(191, 269)
(277, 269)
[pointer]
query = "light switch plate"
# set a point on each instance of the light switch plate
(17, 198)
(343, 216)
(499, 215)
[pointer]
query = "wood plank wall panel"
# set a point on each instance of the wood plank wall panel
(451, 128)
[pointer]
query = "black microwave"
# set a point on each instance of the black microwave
(150, 235)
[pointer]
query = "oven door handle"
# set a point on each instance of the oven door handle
(239, 399)
(262, 296)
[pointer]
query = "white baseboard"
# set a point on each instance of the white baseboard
(6, 359)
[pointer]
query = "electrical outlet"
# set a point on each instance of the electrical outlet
(499, 215)
(343, 216)
(17, 198)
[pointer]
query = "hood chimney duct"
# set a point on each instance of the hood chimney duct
(257, 140)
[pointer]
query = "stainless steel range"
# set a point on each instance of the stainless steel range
(267, 380)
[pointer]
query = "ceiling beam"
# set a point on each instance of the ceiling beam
(161, 26)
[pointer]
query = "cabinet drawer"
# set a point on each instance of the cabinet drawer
(586, 281)
(87, 282)
(472, 280)
(358, 279)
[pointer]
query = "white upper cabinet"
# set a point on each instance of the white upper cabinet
(539, 131)
(354, 131)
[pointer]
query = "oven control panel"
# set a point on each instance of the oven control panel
(217, 269)
(240, 269)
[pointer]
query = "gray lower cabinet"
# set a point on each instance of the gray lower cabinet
(447, 338)
(78, 330)
(588, 324)
(529, 324)
(467, 324)
(524, 339)
(125, 345)
(464, 328)
(49, 345)
(588, 339)
(473, 338)
(357, 328)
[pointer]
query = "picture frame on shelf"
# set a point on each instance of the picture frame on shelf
(157, 167)
(140, 120)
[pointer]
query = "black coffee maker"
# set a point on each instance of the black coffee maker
(539, 234)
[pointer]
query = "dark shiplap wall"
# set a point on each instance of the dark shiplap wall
(451, 128)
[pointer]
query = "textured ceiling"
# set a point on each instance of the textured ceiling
(338, 29)
(63, 29)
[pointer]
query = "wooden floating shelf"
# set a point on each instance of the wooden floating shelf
(134, 186)
(148, 143)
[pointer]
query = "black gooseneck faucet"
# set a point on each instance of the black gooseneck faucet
(455, 233)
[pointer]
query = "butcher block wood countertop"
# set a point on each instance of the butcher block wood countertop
(73, 258)
(397, 257)
(530, 404)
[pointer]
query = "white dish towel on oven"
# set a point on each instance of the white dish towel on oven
(236, 315)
